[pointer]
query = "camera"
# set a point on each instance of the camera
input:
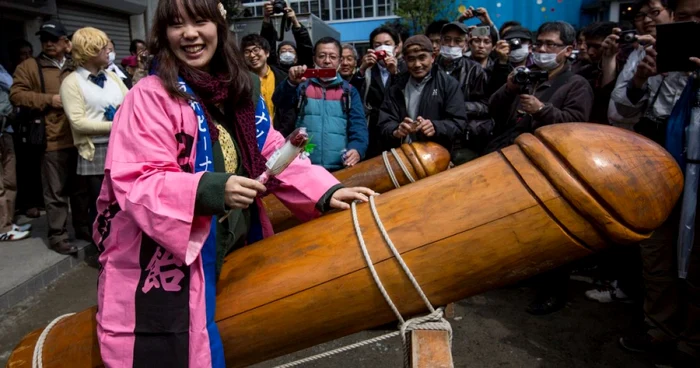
(627, 37)
(514, 43)
(526, 77)
(381, 55)
(278, 6)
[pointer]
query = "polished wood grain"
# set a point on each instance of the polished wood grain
(421, 160)
(431, 349)
(491, 222)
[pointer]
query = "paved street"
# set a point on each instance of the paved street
(491, 330)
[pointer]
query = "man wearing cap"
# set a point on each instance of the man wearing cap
(472, 79)
(287, 53)
(512, 51)
(424, 104)
(36, 85)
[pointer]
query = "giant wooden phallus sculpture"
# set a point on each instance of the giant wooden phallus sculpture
(553, 197)
(420, 160)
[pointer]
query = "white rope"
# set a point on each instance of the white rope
(433, 321)
(37, 358)
(387, 164)
(403, 167)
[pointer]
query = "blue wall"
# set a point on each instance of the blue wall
(527, 12)
(357, 31)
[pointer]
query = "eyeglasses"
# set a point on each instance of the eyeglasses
(652, 14)
(254, 50)
(549, 45)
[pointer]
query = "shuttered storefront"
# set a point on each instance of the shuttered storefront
(114, 24)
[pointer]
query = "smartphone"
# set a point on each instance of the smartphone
(482, 31)
(320, 73)
(675, 45)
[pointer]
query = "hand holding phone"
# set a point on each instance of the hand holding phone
(320, 73)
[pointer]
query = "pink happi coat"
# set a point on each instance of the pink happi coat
(150, 238)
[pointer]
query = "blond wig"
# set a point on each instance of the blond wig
(87, 42)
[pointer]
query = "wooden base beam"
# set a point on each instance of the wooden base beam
(431, 349)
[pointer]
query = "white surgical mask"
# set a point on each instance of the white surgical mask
(112, 57)
(389, 49)
(518, 55)
(451, 53)
(287, 58)
(546, 61)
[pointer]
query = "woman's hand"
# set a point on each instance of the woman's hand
(240, 191)
(342, 196)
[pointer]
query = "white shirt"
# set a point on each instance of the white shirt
(97, 99)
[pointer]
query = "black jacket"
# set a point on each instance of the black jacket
(571, 102)
(285, 119)
(305, 47)
(472, 79)
(373, 97)
(441, 102)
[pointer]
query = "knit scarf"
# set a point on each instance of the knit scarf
(213, 90)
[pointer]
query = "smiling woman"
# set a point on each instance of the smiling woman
(182, 150)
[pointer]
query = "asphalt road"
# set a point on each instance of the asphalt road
(490, 330)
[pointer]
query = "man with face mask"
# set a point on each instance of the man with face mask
(379, 69)
(473, 80)
(424, 104)
(116, 69)
(564, 97)
(287, 53)
(508, 59)
(328, 107)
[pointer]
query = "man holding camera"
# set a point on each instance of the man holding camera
(512, 52)
(287, 53)
(328, 107)
(424, 104)
(671, 305)
(379, 69)
(550, 94)
(643, 99)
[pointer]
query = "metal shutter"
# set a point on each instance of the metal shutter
(115, 25)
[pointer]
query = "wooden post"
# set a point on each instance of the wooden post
(431, 349)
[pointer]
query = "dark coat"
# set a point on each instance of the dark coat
(305, 47)
(441, 102)
(473, 80)
(373, 97)
(572, 102)
(285, 119)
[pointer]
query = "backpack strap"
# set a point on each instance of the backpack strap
(347, 100)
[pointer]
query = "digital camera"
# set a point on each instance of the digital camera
(278, 6)
(514, 43)
(526, 77)
(381, 55)
(627, 37)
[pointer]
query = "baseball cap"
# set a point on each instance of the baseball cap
(518, 32)
(53, 28)
(458, 26)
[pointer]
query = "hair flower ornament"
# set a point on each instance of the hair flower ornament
(222, 10)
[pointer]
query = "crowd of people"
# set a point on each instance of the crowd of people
(104, 139)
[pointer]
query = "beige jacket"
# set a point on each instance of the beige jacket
(86, 122)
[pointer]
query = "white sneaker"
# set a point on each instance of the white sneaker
(13, 235)
(21, 228)
(608, 295)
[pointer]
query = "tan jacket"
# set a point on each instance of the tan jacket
(83, 125)
(26, 92)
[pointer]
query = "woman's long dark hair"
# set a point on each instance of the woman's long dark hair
(227, 59)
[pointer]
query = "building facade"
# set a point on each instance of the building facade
(122, 20)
